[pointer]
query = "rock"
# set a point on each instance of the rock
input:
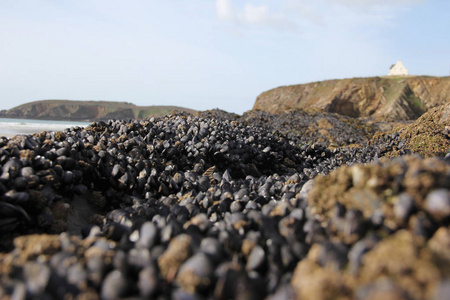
(403, 207)
(115, 286)
(148, 235)
(256, 259)
(398, 258)
(438, 203)
(148, 282)
(196, 274)
(320, 283)
(36, 277)
(177, 253)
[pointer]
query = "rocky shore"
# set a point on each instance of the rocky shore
(220, 206)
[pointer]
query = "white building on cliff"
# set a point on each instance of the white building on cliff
(398, 70)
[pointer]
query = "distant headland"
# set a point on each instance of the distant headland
(387, 98)
(88, 111)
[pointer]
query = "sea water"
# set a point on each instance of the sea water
(12, 127)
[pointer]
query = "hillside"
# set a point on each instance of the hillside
(381, 98)
(86, 110)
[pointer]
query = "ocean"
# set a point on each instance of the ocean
(12, 127)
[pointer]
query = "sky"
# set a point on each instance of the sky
(206, 54)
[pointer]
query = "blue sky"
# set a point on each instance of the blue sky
(206, 54)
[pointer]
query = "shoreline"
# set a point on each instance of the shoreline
(12, 127)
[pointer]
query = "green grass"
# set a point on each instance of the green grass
(392, 89)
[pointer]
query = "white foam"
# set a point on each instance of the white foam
(11, 127)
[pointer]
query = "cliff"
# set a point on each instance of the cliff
(86, 110)
(381, 98)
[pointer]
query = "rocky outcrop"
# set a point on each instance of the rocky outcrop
(86, 110)
(428, 136)
(381, 98)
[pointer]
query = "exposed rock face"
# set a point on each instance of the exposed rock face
(86, 110)
(382, 98)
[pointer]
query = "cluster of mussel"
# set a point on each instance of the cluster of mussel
(303, 127)
(177, 207)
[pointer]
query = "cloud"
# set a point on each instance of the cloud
(224, 10)
(253, 15)
(291, 15)
(377, 2)
(383, 11)
(349, 14)
(308, 11)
